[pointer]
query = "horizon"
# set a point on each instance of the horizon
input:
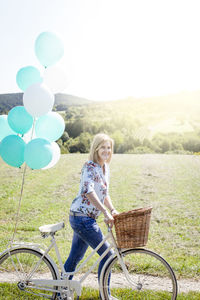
(124, 98)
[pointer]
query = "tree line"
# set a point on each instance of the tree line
(130, 134)
(127, 121)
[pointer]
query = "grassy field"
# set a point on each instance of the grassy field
(92, 294)
(168, 183)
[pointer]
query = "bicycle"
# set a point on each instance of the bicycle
(134, 272)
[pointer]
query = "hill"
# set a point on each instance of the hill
(138, 125)
(172, 113)
(185, 105)
(62, 101)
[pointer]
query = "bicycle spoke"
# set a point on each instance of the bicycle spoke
(149, 277)
(19, 265)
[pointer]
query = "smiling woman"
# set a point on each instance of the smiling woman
(104, 153)
(101, 149)
(92, 199)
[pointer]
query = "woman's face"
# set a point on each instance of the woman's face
(104, 152)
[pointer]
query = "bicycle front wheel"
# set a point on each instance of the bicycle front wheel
(18, 269)
(148, 276)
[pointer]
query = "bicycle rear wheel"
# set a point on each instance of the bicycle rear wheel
(150, 277)
(16, 269)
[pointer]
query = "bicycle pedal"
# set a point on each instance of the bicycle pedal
(64, 295)
(60, 298)
(63, 298)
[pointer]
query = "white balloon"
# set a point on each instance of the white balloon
(55, 78)
(30, 135)
(56, 156)
(38, 99)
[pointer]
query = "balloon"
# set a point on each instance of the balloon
(27, 76)
(38, 100)
(30, 135)
(49, 48)
(4, 127)
(55, 78)
(50, 126)
(19, 119)
(38, 153)
(12, 150)
(56, 156)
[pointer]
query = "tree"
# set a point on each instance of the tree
(164, 146)
(75, 128)
(118, 138)
(64, 137)
(192, 144)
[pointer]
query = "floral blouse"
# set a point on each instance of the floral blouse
(92, 179)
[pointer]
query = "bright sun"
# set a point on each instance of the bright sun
(138, 48)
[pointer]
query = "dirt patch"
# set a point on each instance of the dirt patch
(184, 285)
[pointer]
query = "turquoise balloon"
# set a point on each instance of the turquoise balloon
(12, 150)
(49, 48)
(50, 126)
(27, 76)
(19, 119)
(4, 127)
(38, 153)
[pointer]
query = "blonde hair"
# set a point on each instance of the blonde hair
(98, 140)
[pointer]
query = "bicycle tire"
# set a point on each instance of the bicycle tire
(153, 277)
(15, 268)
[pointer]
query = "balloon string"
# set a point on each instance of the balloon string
(19, 205)
(21, 193)
(33, 128)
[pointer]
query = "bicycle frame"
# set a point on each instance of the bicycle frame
(73, 284)
(65, 282)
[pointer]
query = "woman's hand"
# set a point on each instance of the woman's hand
(114, 212)
(109, 220)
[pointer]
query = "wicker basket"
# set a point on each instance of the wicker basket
(132, 227)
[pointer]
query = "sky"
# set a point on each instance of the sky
(112, 48)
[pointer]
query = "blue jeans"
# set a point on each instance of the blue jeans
(86, 233)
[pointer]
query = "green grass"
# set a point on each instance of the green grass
(168, 183)
(92, 294)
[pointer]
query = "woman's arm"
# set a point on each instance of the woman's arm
(109, 205)
(97, 203)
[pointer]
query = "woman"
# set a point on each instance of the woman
(92, 199)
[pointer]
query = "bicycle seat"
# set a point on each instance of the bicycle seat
(51, 228)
